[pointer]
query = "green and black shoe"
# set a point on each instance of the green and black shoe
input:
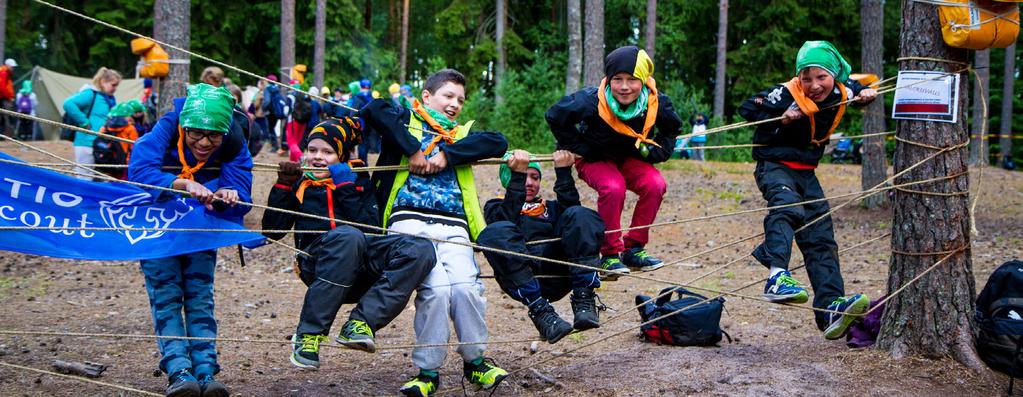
(305, 352)
(357, 335)
(613, 266)
(423, 385)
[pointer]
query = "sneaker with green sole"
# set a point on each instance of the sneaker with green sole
(614, 266)
(358, 335)
(782, 288)
(638, 258)
(484, 374)
(305, 352)
(845, 312)
(423, 385)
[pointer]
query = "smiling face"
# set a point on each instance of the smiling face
(319, 154)
(817, 83)
(447, 99)
(625, 88)
(202, 143)
(532, 184)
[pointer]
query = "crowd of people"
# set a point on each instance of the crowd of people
(612, 135)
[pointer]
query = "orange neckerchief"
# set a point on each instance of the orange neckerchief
(187, 172)
(534, 209)
(448, 136)
(618, 125)
(809, 108)
(328, 185)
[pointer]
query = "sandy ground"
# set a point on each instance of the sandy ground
(776, 351)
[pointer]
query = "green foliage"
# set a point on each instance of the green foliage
(527, 95)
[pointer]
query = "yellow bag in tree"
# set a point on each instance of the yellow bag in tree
(298, 73)
(979, 24)
(151, 54)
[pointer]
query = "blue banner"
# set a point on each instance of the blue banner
(58, 204)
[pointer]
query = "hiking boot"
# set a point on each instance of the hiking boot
(357, 335)
(485, 375)
(638, 258)
(614, 266)
(305, 352)
(182, 384)
(852, 309)
(423, 385)
(211, 388)
(551, 326)
(782, 288)
(584, 306)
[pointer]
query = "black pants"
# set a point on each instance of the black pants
(581, 230)
(782, 185)
(379, 273)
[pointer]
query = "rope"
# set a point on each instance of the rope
(81, 379)
(62, 125)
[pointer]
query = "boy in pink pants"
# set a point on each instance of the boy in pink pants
(612, 128)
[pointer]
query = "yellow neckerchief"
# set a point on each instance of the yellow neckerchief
(187, 172)
(447, 136)
(809, 108)
(618, 125)
(534, 209)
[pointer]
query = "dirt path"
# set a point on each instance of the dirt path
(777, 350)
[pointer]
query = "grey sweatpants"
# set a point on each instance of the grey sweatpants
(452, 289)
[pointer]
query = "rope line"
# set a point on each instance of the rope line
(81, 379)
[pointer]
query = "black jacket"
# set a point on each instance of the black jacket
(533, 227)
(791, 142)
(578, 128)
(353, 202)
(391, 122)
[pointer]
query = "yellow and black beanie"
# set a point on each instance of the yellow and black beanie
(631, 60)
(341, 134)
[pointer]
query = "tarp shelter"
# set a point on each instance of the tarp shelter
(53, 88)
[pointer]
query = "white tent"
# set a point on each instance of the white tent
(53, 88)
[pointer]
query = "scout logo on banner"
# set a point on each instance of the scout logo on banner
(58, 204)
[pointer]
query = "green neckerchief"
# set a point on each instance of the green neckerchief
(440, 117)
(635, 109)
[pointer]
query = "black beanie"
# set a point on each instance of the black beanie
(340, 134)
(631, 60)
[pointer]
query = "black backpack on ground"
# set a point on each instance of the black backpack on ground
(698, 324)
(302, 111)
(67, 134)
(999, 316)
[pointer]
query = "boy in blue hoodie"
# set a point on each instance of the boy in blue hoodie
(215, 169)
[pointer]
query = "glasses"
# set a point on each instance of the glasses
(197, 135)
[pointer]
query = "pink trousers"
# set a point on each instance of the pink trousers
(295, 132)
(610, 179)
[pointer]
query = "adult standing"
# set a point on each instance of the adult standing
(88, 109)
(699, 122)
(612, 129)
(7, 94)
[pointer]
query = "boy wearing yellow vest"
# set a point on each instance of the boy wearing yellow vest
(811, 106)
(436, 198)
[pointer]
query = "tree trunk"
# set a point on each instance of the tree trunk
(287, 38)
(1008, 81)
(651, 27)
(875, 164)
(404, 40)
(3, 28)
(981, 91)
(934, 316)
(722, 59)
(367, 15)
(171, 25)
(502, 20)
(319, 43)
(593, 42)
(575, 47)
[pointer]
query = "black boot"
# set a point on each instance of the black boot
(584, 306)
(551, 327)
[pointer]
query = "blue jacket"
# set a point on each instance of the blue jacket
(158, 148)
(76, 107)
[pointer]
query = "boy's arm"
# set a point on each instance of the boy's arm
(509, 208)
(766, 104)
(236, 175)
(668, 126)
(283, 197)
(476, 146)
(564, 187)
(145, 165)
(390, 121)
(353, 201)
(564, 117)
(73, 107)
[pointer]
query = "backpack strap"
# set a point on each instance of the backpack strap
(1002, 303)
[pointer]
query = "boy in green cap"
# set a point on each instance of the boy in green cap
(215, 169)
(108, 152)
(811, 106)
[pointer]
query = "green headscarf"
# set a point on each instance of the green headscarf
(504, 173)
(26, 87)
(122, 109)
(824, 55)
(354, 87)
(136, 106)
(207, 108)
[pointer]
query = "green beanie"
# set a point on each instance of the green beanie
(353, 87)
(207, 108)
(26, 87)
(824, 55)
(504, 173)
(136, 106)
(122, 109)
